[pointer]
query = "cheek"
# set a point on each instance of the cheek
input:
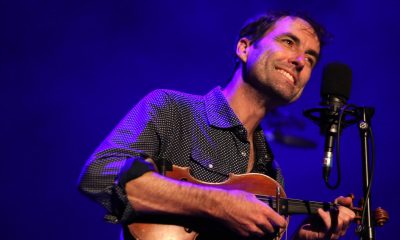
(265, 63)
(261, 60)
(305, 77)
(257, 57)
(256, 64)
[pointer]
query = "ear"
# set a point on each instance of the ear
(242, 49)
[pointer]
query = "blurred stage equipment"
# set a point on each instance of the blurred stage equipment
(282, 127)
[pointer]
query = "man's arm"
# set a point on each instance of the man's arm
(240, 211)
(121, 156)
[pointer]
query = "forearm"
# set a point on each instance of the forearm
(153, 193)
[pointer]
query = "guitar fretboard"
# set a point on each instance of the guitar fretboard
(288, 206)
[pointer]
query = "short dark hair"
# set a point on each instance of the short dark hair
(255, 28)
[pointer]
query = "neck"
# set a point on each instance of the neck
(249, 104)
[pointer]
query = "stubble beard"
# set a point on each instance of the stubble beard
(276, 91)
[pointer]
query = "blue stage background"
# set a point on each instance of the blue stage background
(70, 70)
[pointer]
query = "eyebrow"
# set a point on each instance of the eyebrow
(297, 41)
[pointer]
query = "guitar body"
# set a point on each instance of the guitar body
(170, 228)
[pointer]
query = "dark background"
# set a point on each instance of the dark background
(70, 70)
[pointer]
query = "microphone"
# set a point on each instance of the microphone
(335, 91)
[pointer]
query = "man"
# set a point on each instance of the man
(214, 135)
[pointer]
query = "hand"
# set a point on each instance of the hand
(244, 214)
(328, 225)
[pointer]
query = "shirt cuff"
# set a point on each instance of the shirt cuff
(134, 168)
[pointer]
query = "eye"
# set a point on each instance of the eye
(288, 42)
(310, 60)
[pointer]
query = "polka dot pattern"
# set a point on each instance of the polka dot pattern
(200, 132)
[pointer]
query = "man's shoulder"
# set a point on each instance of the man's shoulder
(173, 96)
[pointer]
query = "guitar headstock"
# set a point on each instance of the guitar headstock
(380, 215)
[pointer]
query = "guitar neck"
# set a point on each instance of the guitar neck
(288, 206)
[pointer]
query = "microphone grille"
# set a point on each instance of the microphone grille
(336, 81)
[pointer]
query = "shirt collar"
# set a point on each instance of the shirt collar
(219, 113)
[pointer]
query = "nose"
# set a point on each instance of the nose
(298, 61)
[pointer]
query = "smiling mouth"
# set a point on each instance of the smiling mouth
(286, 74)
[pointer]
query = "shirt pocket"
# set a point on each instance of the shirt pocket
(205, 166)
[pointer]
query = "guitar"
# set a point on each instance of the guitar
(262, 186)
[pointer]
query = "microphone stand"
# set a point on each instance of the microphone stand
(365, 229)
(362, 115)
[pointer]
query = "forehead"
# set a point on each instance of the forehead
(298, 27)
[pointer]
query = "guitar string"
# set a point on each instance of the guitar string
(296, 204)
(295, 201)
(300, 205)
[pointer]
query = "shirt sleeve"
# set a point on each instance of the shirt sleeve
(121, 156)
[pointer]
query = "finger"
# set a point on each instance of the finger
(338, 221)
(341, 228)
(272, 222)
(310, 231)
(255, 231)
(326, 218)
(333, 226)
(272, 217)
(344, 201)
(277, 220)
(266, 227)
(351, 215)
(346, 216)
(335, 236)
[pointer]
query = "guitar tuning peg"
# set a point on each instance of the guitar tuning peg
(381, 216)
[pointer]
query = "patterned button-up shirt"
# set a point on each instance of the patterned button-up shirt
(200, 132)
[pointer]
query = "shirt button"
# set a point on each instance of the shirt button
(243, 154)
(210, 165)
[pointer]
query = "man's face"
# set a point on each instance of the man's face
(280, 63)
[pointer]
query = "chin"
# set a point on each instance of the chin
(285, 99)
(296, 97)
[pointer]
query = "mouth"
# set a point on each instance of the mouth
(286, 74)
